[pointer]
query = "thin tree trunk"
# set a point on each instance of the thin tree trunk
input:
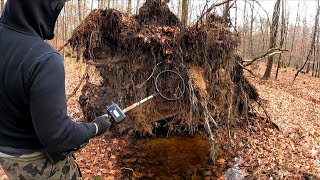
(316, 55)
(91, 5)
(137, 6)
(80, 9)
(64, 30)
(184, 17)
(236, 14)
(129, 6)
(1, 6)
(57, 34)
(244, 29)
(283, 30)
(303, 52)
(317, 73)
(297, 24)
(108, 3)
(226, 12)
(251, 31)
(262, 33)
(179, 8)
(312, 42)
(273, 38)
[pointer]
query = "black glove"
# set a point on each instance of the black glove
(103, 124)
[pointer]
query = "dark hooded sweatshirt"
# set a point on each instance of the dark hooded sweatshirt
(33, 110)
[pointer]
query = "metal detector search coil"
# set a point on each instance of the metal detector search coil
(118, 115)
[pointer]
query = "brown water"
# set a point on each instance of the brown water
(173, 157)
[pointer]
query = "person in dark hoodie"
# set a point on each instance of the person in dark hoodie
(36, 134)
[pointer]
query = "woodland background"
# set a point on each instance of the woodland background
(260, 31)
(277, 47)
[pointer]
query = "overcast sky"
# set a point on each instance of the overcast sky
(306, 7)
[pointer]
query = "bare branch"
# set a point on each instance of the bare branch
(78, 86)
(210, 9)
(270, 52)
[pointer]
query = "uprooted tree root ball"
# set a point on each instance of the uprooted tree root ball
(129, 51)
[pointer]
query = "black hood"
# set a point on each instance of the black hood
(33, 16)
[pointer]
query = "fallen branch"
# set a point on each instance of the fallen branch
(78, 86)
(61, 48)
(270, 52)
(247, 69)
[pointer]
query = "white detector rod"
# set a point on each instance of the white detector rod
(139, 103)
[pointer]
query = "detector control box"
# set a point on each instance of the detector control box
(116, 113)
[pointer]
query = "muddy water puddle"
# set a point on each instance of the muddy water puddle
(173, 157)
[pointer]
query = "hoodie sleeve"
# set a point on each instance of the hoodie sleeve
(55, 130)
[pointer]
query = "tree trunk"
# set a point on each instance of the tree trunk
(129, 6)
(316, 56)
(57, 34)
(64, 30)
(108, 3)
(273, 38)
(91, 5)
(283, 31)
(137, 6)
(226, 12)
(297, 24)
(317, 73)
(80, 9)
(244, 30)
(312, 42)
(262, 23)
(1, 6)
(184, 17)
(251, 30)
(235, 14)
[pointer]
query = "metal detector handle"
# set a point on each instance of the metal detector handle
(139, 103)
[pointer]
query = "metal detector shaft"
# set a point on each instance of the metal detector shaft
(139, 103)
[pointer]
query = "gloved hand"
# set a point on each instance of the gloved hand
(103, 124)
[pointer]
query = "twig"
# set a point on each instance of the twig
(128, 169)
(96, 63)
(264, 110)
(78, 86)
(154, 69)
(210, 9)
(270, 52)
(246, 69)
(60, 49)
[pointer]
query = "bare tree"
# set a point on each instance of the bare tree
(297, 24)
(80, 9)
(244, 29)
(273, 37)
(251, 30)
(108, 3)
(1, 6)
(317, 71)
(137, 6)
(236, 14)
(316, 56)
(184, 16)
(315, 31)
(226, 12)
(129, 6)
(283, 31)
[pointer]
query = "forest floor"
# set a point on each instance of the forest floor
(289, 153)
